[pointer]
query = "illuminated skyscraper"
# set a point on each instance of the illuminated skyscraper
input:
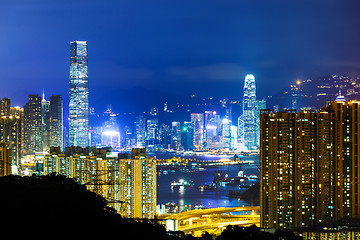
(78, 95)
(225, 133)
(249, 113)
(10, 128)
(32, 134)
(56, 121)
(187, 136)
(45, 126)
(175, 135)
(198, 120)
(152, 135)
(140, 131)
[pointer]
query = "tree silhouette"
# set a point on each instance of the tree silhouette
(54, 206)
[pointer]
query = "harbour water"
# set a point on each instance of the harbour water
(190, 197)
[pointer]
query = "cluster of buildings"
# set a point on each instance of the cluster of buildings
(310, 166)
(128, 183)
(203, 131)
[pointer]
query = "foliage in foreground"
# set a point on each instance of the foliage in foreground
(54, 206)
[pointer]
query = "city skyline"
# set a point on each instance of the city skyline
(275, 48)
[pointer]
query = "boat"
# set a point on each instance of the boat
(211, 186)
(181, 184)
(253, 177)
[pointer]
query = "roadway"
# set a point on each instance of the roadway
(214, 220)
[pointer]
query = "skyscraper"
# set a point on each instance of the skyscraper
(78, 95)
(187, 136)
(32, 134)
(249, 113)
(56, 121)
(140, 131)
(10, 129)
(45, 126)
(198, 120)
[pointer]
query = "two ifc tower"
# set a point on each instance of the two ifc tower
(248, 124)
(79, 102)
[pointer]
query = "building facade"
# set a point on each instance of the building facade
(5, 160)
(198, 120)
(56, 121)
(137, 184)
(91, 167)
(32, 126)
(128, 184)
(140, 131)
(11, 129)
(310, 165)
(78, 95)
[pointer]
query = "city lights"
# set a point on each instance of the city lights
(217, 119)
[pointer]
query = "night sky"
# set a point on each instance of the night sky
(175, 47)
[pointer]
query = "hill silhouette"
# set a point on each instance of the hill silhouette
(56, 207)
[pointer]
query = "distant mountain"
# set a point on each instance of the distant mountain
(314, 93)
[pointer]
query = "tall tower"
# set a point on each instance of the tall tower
(45, 131)
(249, 113)
(78, 95)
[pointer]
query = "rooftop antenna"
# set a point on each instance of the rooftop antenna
(43, 96)
(340, 98)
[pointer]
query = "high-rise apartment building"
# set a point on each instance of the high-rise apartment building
(249, 113)
(91, 167)
(5, 160)
(78, 95)
(310, 165)
(11, 129)
(137, 184)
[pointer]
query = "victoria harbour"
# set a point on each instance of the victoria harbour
(191, 197)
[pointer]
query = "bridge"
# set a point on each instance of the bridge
(212, 220)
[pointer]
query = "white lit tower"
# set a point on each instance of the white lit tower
(78, 95)
(249, 113)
